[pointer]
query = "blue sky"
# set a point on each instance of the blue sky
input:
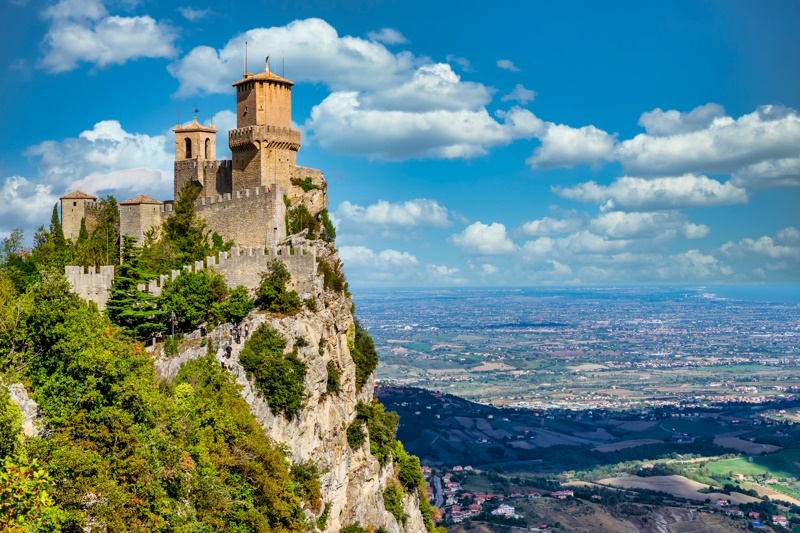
(531, 144)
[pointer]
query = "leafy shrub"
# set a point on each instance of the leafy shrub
(193, 296)
(333, 377)
(10, 423)
(332, 277)
(393, 502)
(272, 294)
(299, 219)
(410, 472)
(279, 377)
(171, 346)
(382, 427)
(306, 184)
(305, 476)
(323, 518)
(353, 528)
(237, 306)
(355, 433)
(25, 501)
(364, 354)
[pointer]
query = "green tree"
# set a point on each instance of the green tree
(278, 376)
(134, 311)
(305, 476)
(329, 231)
(193, 297)
(300, 219)
(51, 249)
(184, 231)
(364, 355)
(272, 294)
(238, 305)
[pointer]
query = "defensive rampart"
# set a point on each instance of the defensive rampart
(245, 266)
(239, 266)
(90, 284)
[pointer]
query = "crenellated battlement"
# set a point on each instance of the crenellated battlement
(91, 284)
(244, 266)
(239, 266)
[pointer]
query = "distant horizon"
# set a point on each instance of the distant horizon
(745, 292)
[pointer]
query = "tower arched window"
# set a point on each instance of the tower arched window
(188, 148)
(208, 148)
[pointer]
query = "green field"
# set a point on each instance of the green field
(785, 463)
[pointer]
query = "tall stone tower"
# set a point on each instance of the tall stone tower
(74, 207)
(194, 145)
(264, 144)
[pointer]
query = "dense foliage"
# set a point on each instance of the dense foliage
(278, 376)
(307, 485)
(127, 452)
(364, 355)
(333, 384)
(182, 239)
(99, 236)
(272, 294)
(301, 219)
(381, 426)
(25, 500)
(135, 311)
(393, 502)
(332, 276)
(195, 298)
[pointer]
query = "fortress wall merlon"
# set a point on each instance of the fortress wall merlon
(91, 284)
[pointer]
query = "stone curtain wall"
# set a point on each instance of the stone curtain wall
(245, 266)
(90, 284)
(239, 266)
(252, 217)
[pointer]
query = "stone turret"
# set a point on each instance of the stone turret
(139, 215)
(264, 144)
(194, 145)
(74, 207)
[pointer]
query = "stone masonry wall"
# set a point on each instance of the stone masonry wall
(253, 217)
(245, 266)
(90, 284)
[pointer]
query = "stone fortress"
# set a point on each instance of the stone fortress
(241, 199)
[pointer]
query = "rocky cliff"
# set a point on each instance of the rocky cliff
(353, 481)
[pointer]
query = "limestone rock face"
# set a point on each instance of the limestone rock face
(352, 480)
(32, 425)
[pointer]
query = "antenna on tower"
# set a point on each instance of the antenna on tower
(179, 114)
(245, 57)
(267, 67)
(283, 66)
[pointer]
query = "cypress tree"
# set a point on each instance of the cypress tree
(135, 312)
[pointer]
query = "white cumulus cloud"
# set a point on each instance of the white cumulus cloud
(564, 146)
(192, 14)
(420, 212)
(382, 105)
(83, 31)
(640, 194)
(484, 239)
(107, 159)
(660, 123)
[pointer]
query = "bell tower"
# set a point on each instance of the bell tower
(194, 144)
(264, 144)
